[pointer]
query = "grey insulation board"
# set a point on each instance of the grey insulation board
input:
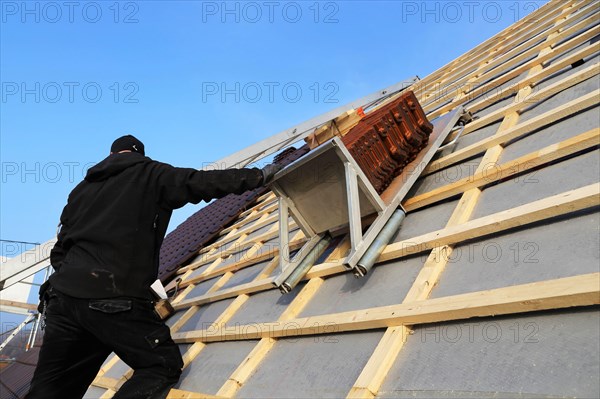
(580, 31)
(206, 315)
(94, 392)
(552, 103)
(545, 251)
(471, 138)
(174, 318)
(234, 257)
(581, 13)
(323, 366)
(549, 355)
(264, 306)
(386, 284)
(499, 70)
(566, 72)
(425, 220)
(213, 366)
(202, 287)
(274, 242)
(244, 275)
(570, 51)
(199, 270)
(494, 88)
(259, 231)
(506, 100)
(535, 185)
(445, 176)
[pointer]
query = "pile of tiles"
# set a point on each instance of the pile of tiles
(388, 139)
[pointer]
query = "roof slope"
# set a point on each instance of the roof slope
(504, 227)
(506, 223)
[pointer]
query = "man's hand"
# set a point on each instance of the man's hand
(269, 171)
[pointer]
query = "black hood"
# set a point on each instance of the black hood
(113, 165)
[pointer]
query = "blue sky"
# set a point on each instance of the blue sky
(196, 80)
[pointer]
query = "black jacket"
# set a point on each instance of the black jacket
(115, 220)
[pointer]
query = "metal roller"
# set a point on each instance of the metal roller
(307, 262)
(381, 241)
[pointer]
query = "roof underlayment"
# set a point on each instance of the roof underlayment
(490, 287)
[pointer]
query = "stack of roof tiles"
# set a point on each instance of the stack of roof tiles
(389, 138)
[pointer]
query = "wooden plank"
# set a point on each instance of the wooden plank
(106, 383)
(111, 362)
(251, 258)
(493, 172)
(15, 304)
(570, 201)
(269, 268)
(181, 294)
(223, 318)
(113, 384)
(524, 30)
(524, 101)
(180, 394)
(367, 384)
(336, 127)
(375, 371)
(251, 362)
(491, 97)
(538, 122)
(193, 309)
(260, 351)
(248, 288)
(239, 246)
(264, 220)
(557, 205)
(529, 31)
(514, 72)
(267, 206)
(512, 58)
(581, 290)
(243, 371)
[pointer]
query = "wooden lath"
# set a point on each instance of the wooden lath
(559, 293)
(557, 205)
(337, 127)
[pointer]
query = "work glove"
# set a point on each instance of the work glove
(269, 171)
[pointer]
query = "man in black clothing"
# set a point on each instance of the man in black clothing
(105, 259)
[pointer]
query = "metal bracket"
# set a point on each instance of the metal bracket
(465, 118)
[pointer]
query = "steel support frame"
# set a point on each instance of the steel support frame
(356, 182)
(287, 209)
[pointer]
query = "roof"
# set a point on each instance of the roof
(488, 289)
(16, 377)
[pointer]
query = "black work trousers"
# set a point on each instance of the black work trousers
(81, 333)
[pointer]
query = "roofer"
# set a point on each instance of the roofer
(106, 257)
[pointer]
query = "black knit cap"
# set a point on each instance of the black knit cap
(127, 143)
